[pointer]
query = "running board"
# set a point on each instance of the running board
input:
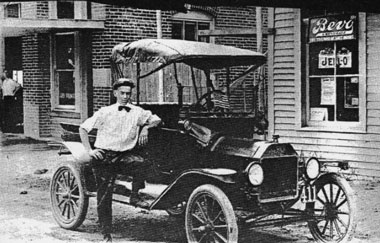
(150, 190)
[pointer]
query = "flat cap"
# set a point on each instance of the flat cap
(123, 82)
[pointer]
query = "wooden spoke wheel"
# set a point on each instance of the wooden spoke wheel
(210, 216)
(333, 214)
(68, 200)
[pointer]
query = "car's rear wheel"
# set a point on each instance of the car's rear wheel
(333, 214)
(210, 216)
(68, 200)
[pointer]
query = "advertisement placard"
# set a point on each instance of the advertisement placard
(328, 93)
(333, 28)
(329, 60)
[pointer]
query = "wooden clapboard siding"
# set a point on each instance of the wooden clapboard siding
(361, 148)
(314, 141)
(285, 95)
(282, 113)
(350, 137)
(373, 72)
(373, 121)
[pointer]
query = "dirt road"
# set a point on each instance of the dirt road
(25, 214)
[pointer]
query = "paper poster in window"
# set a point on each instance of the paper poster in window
(318, 114)
(328, 93)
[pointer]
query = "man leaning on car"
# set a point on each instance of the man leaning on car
(120, 128)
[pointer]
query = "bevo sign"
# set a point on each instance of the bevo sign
(333, 28)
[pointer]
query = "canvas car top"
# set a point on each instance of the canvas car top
(197, 54)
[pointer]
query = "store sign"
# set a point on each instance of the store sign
(333, 28)
(328, 59)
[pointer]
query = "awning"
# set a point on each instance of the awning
(18, 27)
(371, 6)
(197, 54)
(335, 5)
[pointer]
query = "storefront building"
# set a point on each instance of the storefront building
(325, 87)
(63, 50)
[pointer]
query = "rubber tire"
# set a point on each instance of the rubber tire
(346, 188)
(73, 222)
(220, 197)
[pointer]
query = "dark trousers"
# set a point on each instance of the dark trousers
(105, 172)
(8, 114)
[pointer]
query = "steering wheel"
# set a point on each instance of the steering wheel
(205, 103)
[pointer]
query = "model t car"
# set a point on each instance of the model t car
(208, 167)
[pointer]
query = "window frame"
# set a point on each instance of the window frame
(82, 10)
(18, 10)
(54, 75)
(195, 17)
(71, 11)
(191, 16)
(335, 126)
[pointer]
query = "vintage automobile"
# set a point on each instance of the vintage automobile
(209, 170)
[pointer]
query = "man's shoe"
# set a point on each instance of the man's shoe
(136, 201)
(107, 238)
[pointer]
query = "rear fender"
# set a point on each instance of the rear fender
(181, 188)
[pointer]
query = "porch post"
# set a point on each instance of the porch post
(2, 52)
(258, 91)
(161, 71)
(138, 83)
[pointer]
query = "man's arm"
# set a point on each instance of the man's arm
(95, 153)
(17, 87)
(143, 138)
(85, 139)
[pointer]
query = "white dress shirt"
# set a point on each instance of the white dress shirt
(118, 130)
(9, 86)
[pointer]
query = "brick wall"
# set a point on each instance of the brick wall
(36, 66)
(121, 25)
(98, 11)
(231, 17)
(126, 25)
(42, 10)
(28, 10)
(101, 97)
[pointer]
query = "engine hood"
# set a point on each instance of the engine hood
(251, 148)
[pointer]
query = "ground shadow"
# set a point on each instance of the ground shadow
(157, 226)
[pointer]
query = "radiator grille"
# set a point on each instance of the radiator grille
(280, 177)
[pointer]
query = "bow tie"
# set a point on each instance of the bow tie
(126, 108)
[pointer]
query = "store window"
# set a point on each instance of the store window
(65, 69)
(187, 30)
(65, 9)
(12, 10)
(332, 66)
(186, 26)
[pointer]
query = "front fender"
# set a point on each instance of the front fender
(81, 164)
(326, 176)
(181, 188)
(78, 151)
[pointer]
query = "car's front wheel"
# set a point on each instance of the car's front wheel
(333, 214)
(68, 200)
(210, 216)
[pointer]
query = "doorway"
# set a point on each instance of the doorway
(13, 65)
